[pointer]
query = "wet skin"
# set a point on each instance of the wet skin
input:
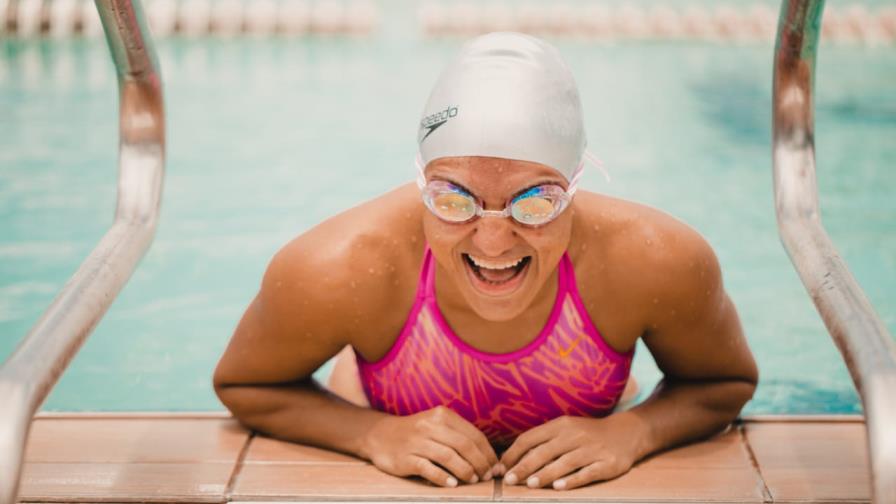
(352, 279)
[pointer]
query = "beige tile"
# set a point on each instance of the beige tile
(342, 481)
(726, 450)
(189, 482)
(105, 440)
(656, 485)
(267, 450)
(808, 444)
(812, 461)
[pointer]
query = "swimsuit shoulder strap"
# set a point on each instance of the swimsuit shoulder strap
(426, 284)
(568, 284)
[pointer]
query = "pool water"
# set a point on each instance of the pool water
(269, 136)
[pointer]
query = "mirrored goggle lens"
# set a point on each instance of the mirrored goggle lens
(453, 206)
(534, 210)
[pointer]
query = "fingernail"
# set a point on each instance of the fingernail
(474, 479)
(532, 482)
(488, 476)
(510, 479)
(451, 481)
(559, 484)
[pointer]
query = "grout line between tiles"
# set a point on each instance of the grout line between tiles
(498, 493)
(766, 493)
(237, 467)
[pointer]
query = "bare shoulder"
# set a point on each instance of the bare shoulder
(640, 260)
(349, 280)
(356, 269)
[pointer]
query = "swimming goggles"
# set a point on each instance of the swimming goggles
(535, 206)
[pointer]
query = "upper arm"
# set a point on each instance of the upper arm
(290, 328)
(322, 291)
(694, 332)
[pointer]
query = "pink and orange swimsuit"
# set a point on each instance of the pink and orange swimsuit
(567, 370)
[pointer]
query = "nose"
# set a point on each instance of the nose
(494, 236)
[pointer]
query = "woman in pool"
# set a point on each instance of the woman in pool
(500, 310)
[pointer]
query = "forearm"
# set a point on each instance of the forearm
(680, 412)
(304, 413)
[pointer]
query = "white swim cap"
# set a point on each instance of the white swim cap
(506, 95)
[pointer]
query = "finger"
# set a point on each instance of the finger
(467, 449)
(596, 471)
(446, 457)
(568, 463)
(431, 472)
(525, 442)
(535, 459)
(466, 428)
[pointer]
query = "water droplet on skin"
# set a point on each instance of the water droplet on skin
(308, 334)
(584, 246)
(278, 284)
(413, 239)
(648, 242)
(371, 271)
(656, 300)
(596, 227)
(353, 284)
(653, 326)
(673, 313)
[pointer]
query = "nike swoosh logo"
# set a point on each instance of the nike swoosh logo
(572, 346)
(432, 128)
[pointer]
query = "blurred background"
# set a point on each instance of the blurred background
(283, 113)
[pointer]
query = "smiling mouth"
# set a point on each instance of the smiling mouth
(494, 273)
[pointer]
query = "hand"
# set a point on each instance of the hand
(568, 452)
(413, 445)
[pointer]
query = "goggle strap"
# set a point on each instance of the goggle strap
(421, 178)
(598, 164)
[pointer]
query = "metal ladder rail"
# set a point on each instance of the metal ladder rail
(29, 374)
(866, 345)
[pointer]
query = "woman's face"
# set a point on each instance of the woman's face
(498, 265)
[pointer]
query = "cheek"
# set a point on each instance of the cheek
(550, 241)
(441, 236)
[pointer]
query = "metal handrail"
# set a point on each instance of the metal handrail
(867, 347)
(27, 377)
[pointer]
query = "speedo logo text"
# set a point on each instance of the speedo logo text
(432, 122)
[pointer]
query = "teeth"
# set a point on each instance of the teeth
(485, 263)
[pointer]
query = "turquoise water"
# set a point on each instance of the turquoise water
(268, 137)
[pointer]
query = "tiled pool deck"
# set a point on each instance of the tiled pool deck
(210, 458)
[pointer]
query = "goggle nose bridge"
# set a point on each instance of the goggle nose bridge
(481, 212)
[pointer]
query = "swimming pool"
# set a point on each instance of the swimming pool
(253, 123)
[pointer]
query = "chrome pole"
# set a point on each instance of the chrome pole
(29, 374)
(867, 347)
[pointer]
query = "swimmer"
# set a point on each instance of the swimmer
(491, 309)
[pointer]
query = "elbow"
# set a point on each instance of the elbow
(742, 393)
(239, 401)
(230, 393)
